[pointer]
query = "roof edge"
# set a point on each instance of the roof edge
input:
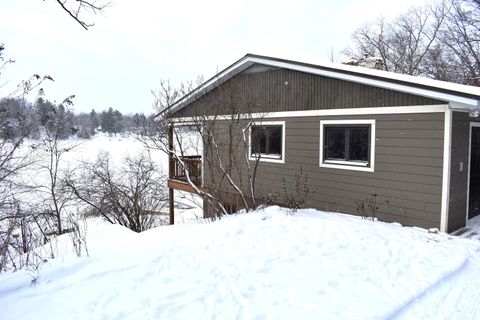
(460, 95)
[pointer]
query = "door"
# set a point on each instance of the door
(474, 192)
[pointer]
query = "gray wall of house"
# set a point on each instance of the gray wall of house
(408, 154)
(460, 151)
(287, 90)
(407, 176)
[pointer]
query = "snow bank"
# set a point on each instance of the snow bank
(263, 264)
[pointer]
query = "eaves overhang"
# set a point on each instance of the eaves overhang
(458, 96)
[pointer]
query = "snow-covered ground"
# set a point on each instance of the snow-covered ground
(457, 296)
(118, 148)
(81, 150)
(266, 264)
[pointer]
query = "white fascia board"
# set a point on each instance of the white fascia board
(372, 82)
(325, 112)
(464, 108)
(355, 111)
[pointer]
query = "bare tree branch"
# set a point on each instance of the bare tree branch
(77, 9)
(440, 41)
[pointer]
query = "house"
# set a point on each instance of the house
(412, 143)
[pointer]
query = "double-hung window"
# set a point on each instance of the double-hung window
(267, 141)
(348, 144)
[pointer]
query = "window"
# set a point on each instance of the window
(267, 141)
(347, 144)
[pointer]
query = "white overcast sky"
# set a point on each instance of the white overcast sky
(135, 43)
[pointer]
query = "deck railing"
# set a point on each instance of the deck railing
(191, 163)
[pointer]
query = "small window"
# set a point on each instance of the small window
(267, 141)
(347, 145)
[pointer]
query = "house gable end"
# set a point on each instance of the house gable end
(458, 96)
(263, 89)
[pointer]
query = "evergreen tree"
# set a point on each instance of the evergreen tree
(45, 111)
(117, 122)
(93, 121)
(107, 121)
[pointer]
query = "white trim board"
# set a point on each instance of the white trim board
(447, 142)
(325, 112)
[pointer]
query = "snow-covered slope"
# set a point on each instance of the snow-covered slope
(266, 264)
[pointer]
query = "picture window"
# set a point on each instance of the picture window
(347, 145)
(267, 142)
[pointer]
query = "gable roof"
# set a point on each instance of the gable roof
(459, 96)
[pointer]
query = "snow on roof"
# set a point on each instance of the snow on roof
(459, 96)
(418, 80)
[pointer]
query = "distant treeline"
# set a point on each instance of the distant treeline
(20, 118)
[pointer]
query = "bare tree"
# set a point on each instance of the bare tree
(22, 227)
(461, 36)
(132, 195)
(15, 156)
(3, 62)
(440, 40)
(403, 43)
(80, 10)
(56, 197)
(219, 133)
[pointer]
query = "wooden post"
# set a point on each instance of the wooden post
(171, 208)
(171, 169)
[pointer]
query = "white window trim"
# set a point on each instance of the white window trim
(348, 165)
(265, 158)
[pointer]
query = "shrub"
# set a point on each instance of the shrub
(368, 208)
(297, 197)
(127, 195)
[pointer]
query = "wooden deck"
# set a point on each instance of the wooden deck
(178, 175)
(183, 186)
(187, 164)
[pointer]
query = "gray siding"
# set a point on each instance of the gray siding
(408, 155)
(407, 176)
(459, 179)
(286, 90)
